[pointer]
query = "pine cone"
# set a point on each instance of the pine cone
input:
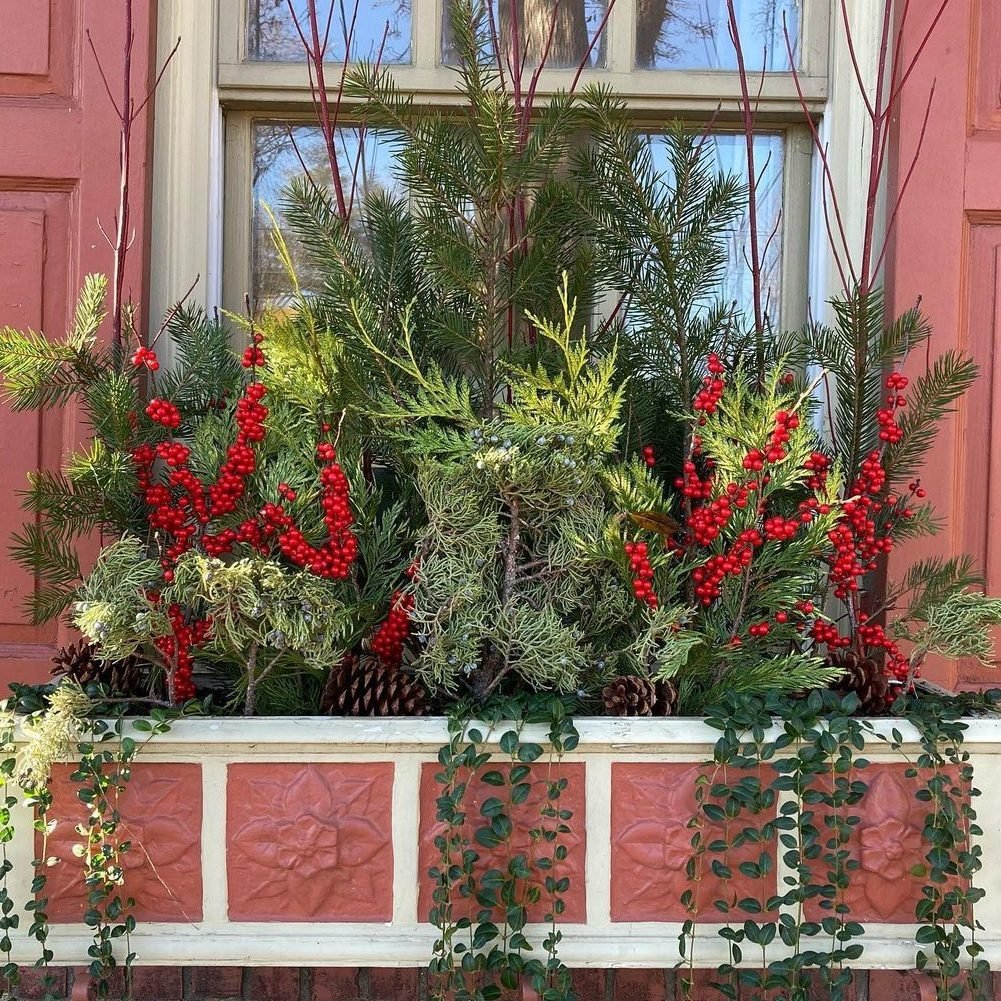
(863, 676)
(82, 663)
(667, 699)
(362, 686)
(631, 695)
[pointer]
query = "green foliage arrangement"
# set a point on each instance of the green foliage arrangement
(449, 463)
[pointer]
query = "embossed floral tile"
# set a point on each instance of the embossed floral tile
(310, 842)
(887, 845)
(161, 811)
(525, 816)
(653, 805)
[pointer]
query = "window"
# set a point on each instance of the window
(668, 60)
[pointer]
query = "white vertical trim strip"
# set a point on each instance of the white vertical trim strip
(184, 160)
(845, 131)
(598, 857)
(215, 890)
(406, 838)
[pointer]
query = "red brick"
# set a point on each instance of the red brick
(216, 981)
(33, 982)
(896, 985)
(640, 985)
(392, 985)
(156, 983)
(275, 983)
(589, 984)
(701, 980)
(335, 984)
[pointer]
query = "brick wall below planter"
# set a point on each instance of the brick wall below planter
(234, 983)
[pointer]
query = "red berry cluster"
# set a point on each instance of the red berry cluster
(253, 357)
(889, 431)
(708, 578)
(779, 438)
(707, 398)
(176, 648)
(147, 357)
(779, 529)
(181, 508)
(241, 461)
(896, 665)
(392, 632)
(332, 560)
(856, 540)
(691, 485)
(827, 632)
(706, 523)
(819, 466)
(648, 456)
(164, 413)
(642, 571)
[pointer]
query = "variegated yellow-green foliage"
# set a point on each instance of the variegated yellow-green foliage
(50, 736)
(264, 615)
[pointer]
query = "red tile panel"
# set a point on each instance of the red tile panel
(652, 810)
(310, 842)
(161, 811)
(525, 817)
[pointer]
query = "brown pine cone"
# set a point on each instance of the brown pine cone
(632, 695)
(863, 676)
(667, 699)
(362, 686)
(82, 663)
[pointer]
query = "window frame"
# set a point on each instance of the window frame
(211, 95)
(244, 82)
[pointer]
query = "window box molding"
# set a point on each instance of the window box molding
(350, 804)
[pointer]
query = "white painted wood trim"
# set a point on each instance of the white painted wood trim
(844, 129)
(302, 737)
(187, 196)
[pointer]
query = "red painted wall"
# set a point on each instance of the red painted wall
(947, 252)
(58, 179)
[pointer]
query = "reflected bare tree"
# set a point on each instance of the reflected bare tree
(282, 152)
(526, 32)
(693, 33)
(272, 34)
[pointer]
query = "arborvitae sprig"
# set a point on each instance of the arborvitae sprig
(520, 569)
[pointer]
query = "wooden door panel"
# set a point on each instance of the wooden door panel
(38, 47)
(34, 264)
(58, 181)
(947, 254)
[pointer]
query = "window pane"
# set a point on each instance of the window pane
(730, 154)
(573, 25)
(695, 34)
(272, 34)
(280, 153)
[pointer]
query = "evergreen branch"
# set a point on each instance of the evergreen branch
(932, 398)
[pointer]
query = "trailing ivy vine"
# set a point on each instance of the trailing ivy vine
(103, 772)
(787, 782)
(947, 931)
(482, 949)
(61, 723)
